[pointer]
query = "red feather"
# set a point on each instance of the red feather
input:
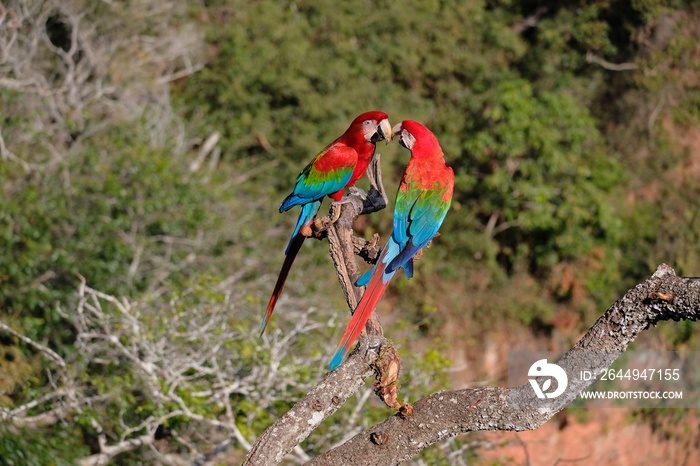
(374, 292)
(352, 146)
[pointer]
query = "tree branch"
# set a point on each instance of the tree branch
(322, 401)
(444, 414)
(326, 397)
(48, 352)
(530, 21)
(593, 58)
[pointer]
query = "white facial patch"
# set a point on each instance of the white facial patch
(407, 139)
(369, 127)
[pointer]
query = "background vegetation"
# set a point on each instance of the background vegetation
(146, 145)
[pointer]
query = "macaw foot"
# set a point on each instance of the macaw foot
(376, 197)
(357, 203)
(358, 192)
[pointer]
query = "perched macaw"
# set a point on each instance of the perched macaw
(338, 166)
(423, 198)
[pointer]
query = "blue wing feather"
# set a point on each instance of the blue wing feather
(313, 184)
(307, 214)
(408, 268)
(416, 222)
(392, 249)
(364, 279)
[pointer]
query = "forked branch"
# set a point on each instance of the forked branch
(444, 414)
(325, 399)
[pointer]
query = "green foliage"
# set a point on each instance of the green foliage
(573, 180)
(106, 216)
(90, 219)
(38, 447)
(544, 174)
(426, 370)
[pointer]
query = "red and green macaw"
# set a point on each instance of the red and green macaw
(424, 196)
(335, 168)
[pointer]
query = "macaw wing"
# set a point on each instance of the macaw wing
(327, 173)
(417, 218)
(408, 268)
(400, 234)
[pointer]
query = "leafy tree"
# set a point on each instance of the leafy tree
(571, 128)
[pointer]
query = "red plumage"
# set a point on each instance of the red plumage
(322, 177)
(424, 196)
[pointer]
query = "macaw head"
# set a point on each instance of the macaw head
(416, 138)
(373, 126)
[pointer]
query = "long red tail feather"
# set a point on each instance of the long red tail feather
(374, 292)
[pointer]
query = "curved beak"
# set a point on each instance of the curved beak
(396, 131)
(384, 131)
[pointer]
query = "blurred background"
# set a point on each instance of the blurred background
(146, 146)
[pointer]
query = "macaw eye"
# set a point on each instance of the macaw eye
(366, 123)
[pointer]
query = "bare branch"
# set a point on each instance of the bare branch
(326, 397)
(207, 147)
(13, 22)
(368, 250)
(593, 58)
(46, 351)
(109, 452)
(322, 401)
(530, 21)
(6, 154)
(664, 296)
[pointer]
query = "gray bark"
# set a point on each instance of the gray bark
(663, 296)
